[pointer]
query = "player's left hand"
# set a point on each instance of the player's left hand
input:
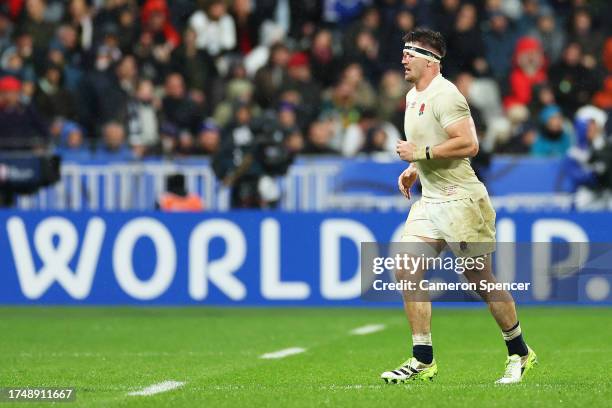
(406, 180)
(405, 150)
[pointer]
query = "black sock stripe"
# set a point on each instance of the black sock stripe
(512, 328)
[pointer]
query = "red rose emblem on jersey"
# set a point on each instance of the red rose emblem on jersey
(421, 109)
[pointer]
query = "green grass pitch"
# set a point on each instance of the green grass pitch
(108, 352)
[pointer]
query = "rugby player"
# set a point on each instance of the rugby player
(454, 209)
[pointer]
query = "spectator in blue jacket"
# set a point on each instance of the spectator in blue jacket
(70, 144)
(499, 39)
(553, 140)
(113, 146)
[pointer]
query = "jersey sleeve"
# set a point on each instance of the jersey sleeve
(450, 107)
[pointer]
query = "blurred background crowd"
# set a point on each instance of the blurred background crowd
(254, 83)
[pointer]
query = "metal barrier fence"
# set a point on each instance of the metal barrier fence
(136, 186)
(308, 186)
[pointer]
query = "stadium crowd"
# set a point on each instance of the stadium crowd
(253, 83)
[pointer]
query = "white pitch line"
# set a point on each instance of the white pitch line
(283, 353)
(158, 388)
(370, 328)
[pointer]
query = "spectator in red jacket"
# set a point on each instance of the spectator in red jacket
(529, 69)
(156, 19)
(603, 98)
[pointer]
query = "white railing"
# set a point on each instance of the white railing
(136, 186)
(121, 186)
(310, 186)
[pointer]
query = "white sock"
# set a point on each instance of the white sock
(421, 339)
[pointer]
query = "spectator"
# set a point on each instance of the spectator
(153, 65)
(238, 89)
(247, 26)
(73, 59)
(196, 66)
(300, 80)
(553, 139)
(543, 96)
(128, 29)
(342, 12)
(341, 104)
(528, 18)
(142, 123)
(71, 144)
(156, 20)
(238, 134)
(113, 146)
(273, 77)
(393, 33)
(22, 127)
(271, 34)
(589, 164)
(106, 18)
(319, 139)
(590, 39)
(574, 83)
(286, 116)
(80, 18)
(36, 24)
(208, 139)
(176, 198)
(368, 22)
(603, 98)
(51, 98)
(168, 136)
(215, 28)
(364, 136)
(6, 30)
(445, 15)
(353, 76)
(366, 56)
(528, 69)
(483, 97)
(465, 46)
(296, 18)
(375, 142)
(293, 141)
(392, 98)
(99, 100)
(123, 86)
(514, 134)
(177, 108)
(18, 61)
(499, 41)
(420, 10)
(549, 35)
(323, 62)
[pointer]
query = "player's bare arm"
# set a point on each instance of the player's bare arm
(462, 142)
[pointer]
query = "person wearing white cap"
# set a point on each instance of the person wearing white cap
(588, 162)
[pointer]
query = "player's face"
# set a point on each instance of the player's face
(413, 67)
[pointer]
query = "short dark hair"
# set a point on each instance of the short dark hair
(429, 38)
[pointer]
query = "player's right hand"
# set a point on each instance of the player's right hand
(406, 180)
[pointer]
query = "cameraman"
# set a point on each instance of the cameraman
(254, 152)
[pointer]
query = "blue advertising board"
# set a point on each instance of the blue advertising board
(248, 258)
